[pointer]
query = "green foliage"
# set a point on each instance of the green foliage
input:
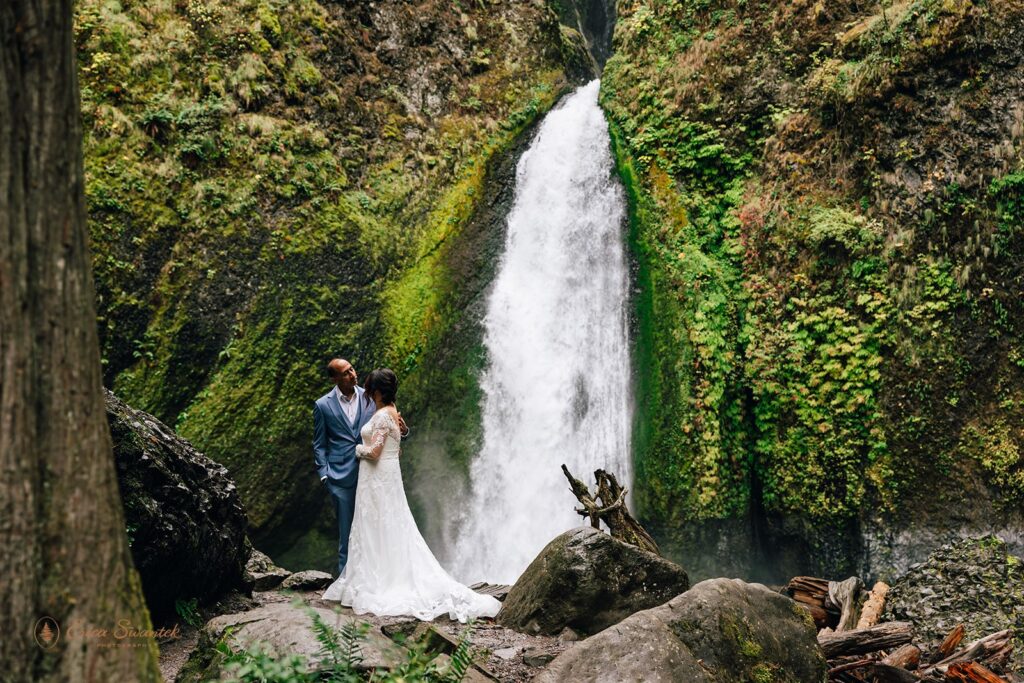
(684, 179)
(340, 660)
(689, 443)
(250, 191)
(189, 611)
(999, 453)
(895, 39)
(810, 326)
(815, 367)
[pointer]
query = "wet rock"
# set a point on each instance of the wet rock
(401, 630)
(185, 522)
(533, 656)
(308, 580)
(975, 582)
(262, 573)
(569, 636)
(587, 580)
(506, 652)
(284, 629)
(720, 631)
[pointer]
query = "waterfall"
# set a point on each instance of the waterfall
(556, 389)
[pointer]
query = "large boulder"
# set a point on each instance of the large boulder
(975, 582)
(282, 629)
(185, 522)
(586, 580)
(720, 631)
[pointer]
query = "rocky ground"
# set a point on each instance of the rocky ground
(510, 656)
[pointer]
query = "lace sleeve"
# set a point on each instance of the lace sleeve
(381, 428)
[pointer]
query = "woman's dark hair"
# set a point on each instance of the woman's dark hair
(384, 381)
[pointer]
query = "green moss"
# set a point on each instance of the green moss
(764, 673)
(803, 325)
(688, 443)
(258, 204)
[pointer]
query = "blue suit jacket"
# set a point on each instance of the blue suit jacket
(335, 439)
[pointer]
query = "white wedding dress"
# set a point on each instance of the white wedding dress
(390, 569)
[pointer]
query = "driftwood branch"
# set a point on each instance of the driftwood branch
(608, 505)
(873, 606)
(906, 657)
(994, 649)
(971, 672)
(864, 640)
(842, 596)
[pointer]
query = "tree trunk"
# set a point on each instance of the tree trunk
(65, 554)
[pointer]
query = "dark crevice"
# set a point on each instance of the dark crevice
(595, 20)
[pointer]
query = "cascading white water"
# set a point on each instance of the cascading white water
(557, 384)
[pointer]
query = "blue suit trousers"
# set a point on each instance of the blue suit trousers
(344, 498)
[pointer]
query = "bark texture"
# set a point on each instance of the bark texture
(61, 523)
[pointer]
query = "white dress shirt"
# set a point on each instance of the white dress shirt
(348, 405)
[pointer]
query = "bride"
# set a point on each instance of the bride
(390, 569)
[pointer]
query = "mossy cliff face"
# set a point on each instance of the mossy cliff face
(271, 184)
(827, 206)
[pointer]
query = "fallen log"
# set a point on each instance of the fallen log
(873, 606)
(808, 590)
(886, 673)
(498, 591)
(865, 640)
(905, 657)
(818, 614)
(994, 650)
(971, 672)
(849, 666)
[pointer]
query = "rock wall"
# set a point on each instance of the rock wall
(826, 214)
(273, 184)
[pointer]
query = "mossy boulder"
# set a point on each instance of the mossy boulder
(975, 582)
(586, 580)
(719, 631)
(185, 522)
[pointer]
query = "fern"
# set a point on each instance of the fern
(462, 659)
(341, 652)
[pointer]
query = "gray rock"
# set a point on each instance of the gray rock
(587, 580)
(534, 656)
(185, 522)
(506, 652)
(569, 636)
(720, 631)
(307, 581)
(284, 629)
(262, 573)
(975, 582)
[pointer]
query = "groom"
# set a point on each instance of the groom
(338, 416)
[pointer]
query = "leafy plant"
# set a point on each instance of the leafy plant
(189, 611)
